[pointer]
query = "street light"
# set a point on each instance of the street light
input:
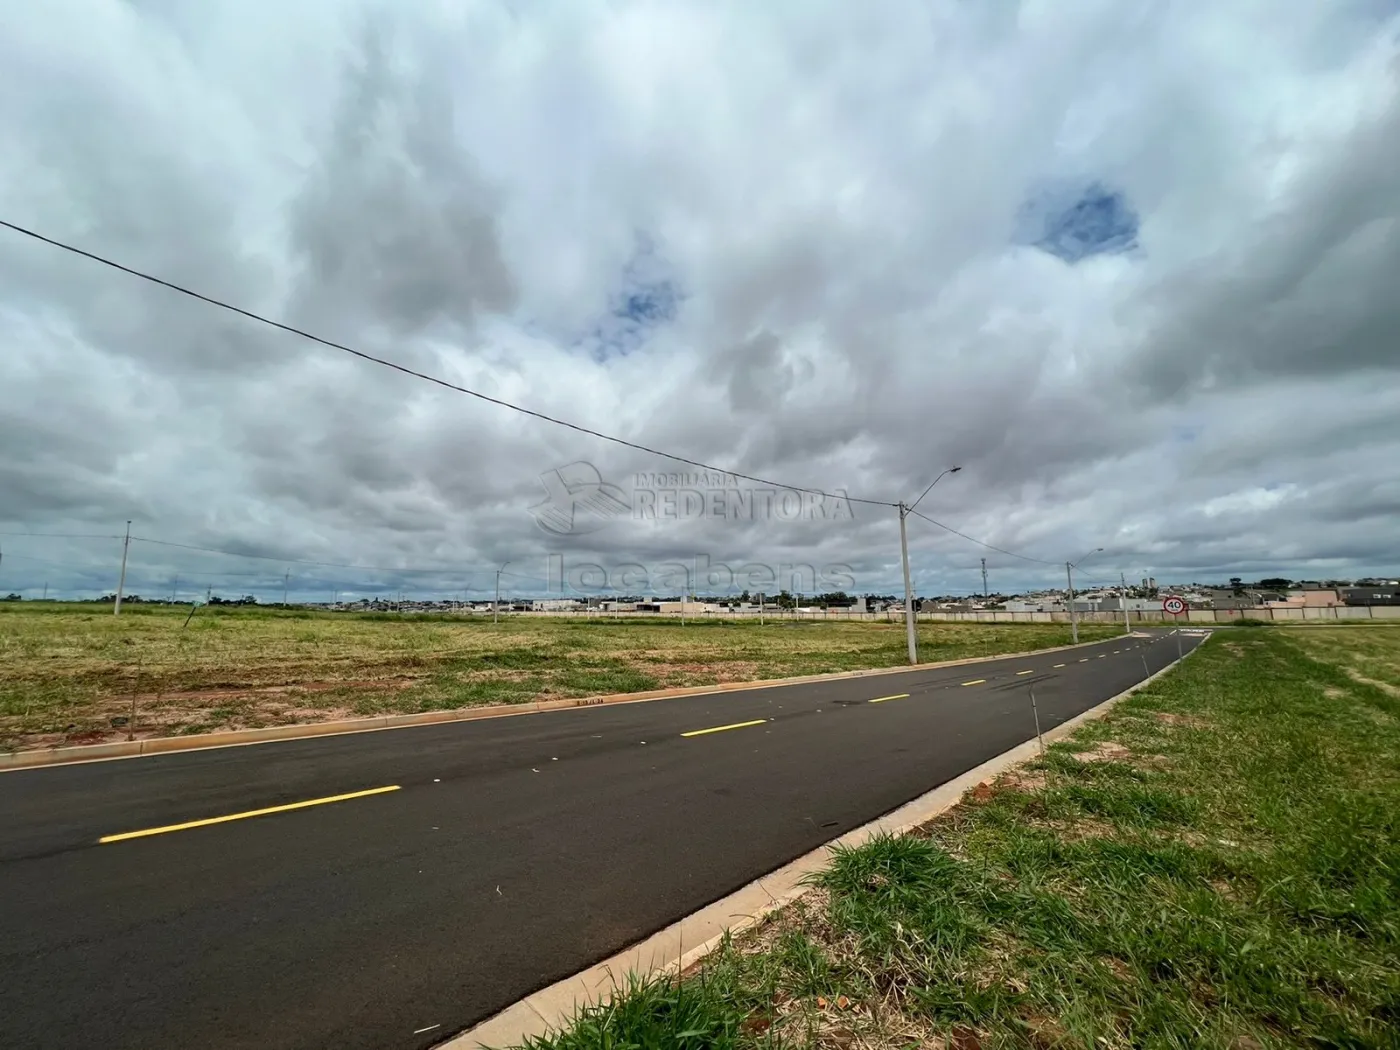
(909, 631)
(1070, 566)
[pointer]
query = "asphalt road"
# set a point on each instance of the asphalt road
(512, 853)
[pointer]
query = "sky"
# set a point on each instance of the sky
(1132, 266)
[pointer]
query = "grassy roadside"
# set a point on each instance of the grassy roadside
(73, 674)
(1215, 864)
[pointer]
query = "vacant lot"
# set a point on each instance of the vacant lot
(74, 674)
(1216, 864)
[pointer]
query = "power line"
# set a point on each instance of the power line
(411, 372)
(980, 543)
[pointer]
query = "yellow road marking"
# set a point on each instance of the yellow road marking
(721, 729)
(1083, 659)
(244, 816)
(975, 681)
(1059, 665)
(1020, 673)
(1102, 655)
(896, 696)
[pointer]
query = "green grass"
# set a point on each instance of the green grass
(71, 669)
(1216, 864)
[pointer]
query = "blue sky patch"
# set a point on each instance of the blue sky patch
(1073, 223)
(648, 297)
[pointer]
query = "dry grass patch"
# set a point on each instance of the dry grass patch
(72, 670)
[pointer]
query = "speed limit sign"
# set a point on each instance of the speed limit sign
(1173, 606)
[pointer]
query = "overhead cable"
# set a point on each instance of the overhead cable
(303, 333)
(980, 543)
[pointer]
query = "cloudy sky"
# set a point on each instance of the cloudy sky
(1133, 266)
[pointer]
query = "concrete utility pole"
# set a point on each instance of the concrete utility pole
(910, 631)
(1073, 622)
(984, 578)
(910, 634)
(1127, 623)
(1069, 579)
(284, 587)
(496, 605)
(121, 581)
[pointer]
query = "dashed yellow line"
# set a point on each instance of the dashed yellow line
(1020, 673)
(896, 696)
(245, 815)
(976, 681)
(721, 729)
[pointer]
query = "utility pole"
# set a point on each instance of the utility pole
(1127, 624)
(984, 578)
(496, 605)
(174, 588)
(1069, 579)
(121, 582)
(284, 587)
(46, 590)
(909, 632)
(1073, 621)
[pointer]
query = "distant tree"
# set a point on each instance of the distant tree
(1236, 585)
(744, 598)
(785, 600)
(1275, 583)
(12, 597)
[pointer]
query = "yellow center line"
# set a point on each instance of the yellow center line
(1020, 673)
(721, 729)
(1059, 665)
(244, 816)
(896, 696)
(976, 681)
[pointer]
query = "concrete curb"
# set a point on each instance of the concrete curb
(551, 1009)
(14, 760)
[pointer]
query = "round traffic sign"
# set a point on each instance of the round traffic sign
(1173, 606)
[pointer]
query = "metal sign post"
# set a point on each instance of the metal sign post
(1174, 607)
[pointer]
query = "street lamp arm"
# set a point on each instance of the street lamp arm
(935, 481)
(1096, 550)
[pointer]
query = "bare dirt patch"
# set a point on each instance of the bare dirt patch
(235, 692)
(1172, 719)
(1105, 751)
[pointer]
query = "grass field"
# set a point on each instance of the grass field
(74, 673)
(1216, 864)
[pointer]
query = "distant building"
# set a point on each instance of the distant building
(1115, 604)
(1378, 595)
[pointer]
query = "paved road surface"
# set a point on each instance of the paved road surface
(512, 853)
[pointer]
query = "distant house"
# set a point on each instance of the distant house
(1387, 595)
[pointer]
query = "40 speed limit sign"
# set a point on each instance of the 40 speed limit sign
(1173, 606)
